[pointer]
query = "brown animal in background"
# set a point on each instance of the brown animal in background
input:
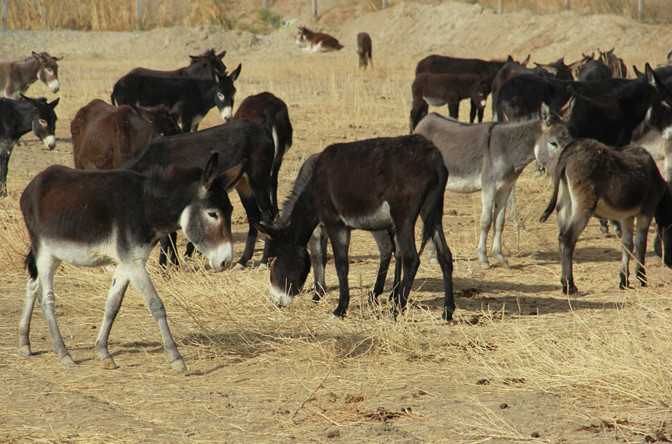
(106, 136)
(364, 50)
(317, 41)
(16, 77)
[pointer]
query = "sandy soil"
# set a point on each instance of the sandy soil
(521, 363)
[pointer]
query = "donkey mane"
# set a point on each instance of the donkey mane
(302, 181)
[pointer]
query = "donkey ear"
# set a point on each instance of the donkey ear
(651, 76)
(54, 102)
(221, 54)
(210, 171)
(545, 114)
(229, 177)
(266, 230)
(236, 72)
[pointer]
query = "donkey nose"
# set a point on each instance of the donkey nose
(50, 142)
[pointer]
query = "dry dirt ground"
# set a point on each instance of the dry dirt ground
(520, 363)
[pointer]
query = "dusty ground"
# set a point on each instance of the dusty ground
(521, 362)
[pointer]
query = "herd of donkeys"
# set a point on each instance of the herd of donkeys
(139, 177)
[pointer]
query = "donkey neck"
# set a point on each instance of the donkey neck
(517, 140)
(165, 200)
(26, 72)
(23, 123)
(302, 219)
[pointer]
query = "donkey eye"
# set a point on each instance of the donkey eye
(220, 96)
(48, 70)
(43, 122)
(213, 215)
(553, 144)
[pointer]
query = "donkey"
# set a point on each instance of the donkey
(97, 218)
(203, 65)
(106, 136)
(17, 117)
(364, 50)
(239, 141)
(318, 246)
(618, 68)
(373, 184)
(448, 89)
(16, 77)
(316, 41)
(270, 111)
(488, 157)
(591, 179)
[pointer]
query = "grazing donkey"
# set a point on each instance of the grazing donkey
(364, 50)
(591, 179)
(16, 77)
(17, 117)
(374, 184)
(96, 218)
(448, 89)
(488, 157)
(317, 41)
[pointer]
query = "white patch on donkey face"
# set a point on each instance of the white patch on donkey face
(280, 297)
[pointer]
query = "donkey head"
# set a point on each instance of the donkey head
(44, 120)
(225, 92)
(290, 264)
(208, 61)
(302, 36)
(48, 73)
(554, 136)
(659, 114)
(163, 120)
(206, 221)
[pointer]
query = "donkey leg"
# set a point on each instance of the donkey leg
(627, 250)
(318, 259)
(567, 240)
(46, 266)
(499, 214)
(641, 234)
(32, 289)
(167, 249)
(138, 276)
(253, 213)
(410, 261)
(384, 240)
(445, 258)
(340, 240)
(487, 199)
(114, 298)
(4, 163)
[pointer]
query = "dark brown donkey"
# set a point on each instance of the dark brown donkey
(203, 65)
(106, 136)
(97, 218)
(16, 77)
(591, 179)
(270, 111)
(447, 89)
(364, 50)
(373, 185)
(239, 141)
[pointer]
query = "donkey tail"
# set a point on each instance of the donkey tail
(30, 265)
(554, 197)
(433, 208)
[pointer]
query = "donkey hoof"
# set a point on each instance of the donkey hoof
(485, 265)
(66, 361)
(237, 267)
(24, 350)
(178, 365)
(108, 364)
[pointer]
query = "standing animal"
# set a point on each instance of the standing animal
(364, 50)
(17, 117)
(198, 95)
(16, 77)
(106, 136)
(316, 41)
(203, 65)
(659, 117)
(97, 218)
(373, 184)
(594, 70)
(438, 64)
(447, 89)
(591, 179)
(270, 111)
(238, 142)
(486, 157)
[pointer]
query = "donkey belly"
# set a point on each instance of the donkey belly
(434, 101)
(464, 184)
(605, 211)
(80, 253)
(378, 219)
